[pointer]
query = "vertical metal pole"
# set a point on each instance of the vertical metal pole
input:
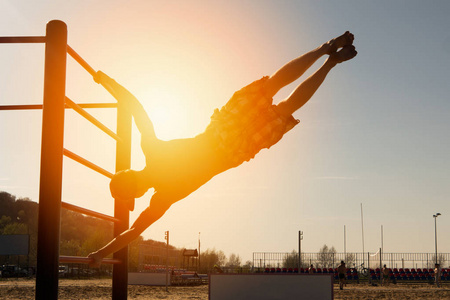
(167, 261)
(381, 253)
(435, 237)
(362, 229)
(51, 161)
(382, 248)
(300, 238)
(123, 161)
(345, 244)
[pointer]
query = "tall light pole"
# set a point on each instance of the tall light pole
(166, 237)
(300, 238)
(362, 231)
(345, 244)
(435, 234)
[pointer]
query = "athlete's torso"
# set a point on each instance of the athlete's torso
(181, 166)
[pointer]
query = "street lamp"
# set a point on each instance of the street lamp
(435, 234)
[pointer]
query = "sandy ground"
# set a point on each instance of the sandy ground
(101, 289)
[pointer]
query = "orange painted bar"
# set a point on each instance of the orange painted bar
(39, 106)
(21, 39)
(87, 163)
(91, 119)
(88, 212)
(81, 61)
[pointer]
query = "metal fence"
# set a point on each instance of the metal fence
(353, 260)
(155, 256)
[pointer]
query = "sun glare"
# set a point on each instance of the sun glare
(165, 109)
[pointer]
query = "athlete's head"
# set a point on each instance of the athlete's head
(123, 185)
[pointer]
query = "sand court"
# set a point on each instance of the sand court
(101, 289)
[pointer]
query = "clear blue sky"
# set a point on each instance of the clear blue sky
(375, 133)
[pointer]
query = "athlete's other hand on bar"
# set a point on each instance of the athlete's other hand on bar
(100, 77)
(115, 89)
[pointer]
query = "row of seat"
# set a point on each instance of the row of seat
(375, 273)
(411, 277)
(305, 270)
(418, 270)
(408, 272)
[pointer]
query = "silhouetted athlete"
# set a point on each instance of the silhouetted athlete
(248, 123)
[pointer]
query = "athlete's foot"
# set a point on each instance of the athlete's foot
(341, 41)
(96, 260)
(346, 53)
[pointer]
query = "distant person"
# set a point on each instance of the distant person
(247, 123)
(385, 272)
(342, 271)
(311, 269)
(218, 269)
(437, 274)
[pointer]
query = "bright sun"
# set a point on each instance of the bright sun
(166, 112)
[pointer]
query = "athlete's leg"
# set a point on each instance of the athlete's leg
(295, 68)
(307, 88)
(159, 204)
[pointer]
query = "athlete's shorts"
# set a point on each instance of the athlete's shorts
(341, 276)
(248, 123)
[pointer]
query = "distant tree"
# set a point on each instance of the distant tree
(4, 220)
(133, 254)
(71, 247)
(93, 242)
(291, 260)
(7, 203)
(234, 261)
(248, 264)
(441, 261)
(15, 228)
(210, 258)
(81, 234)
(350, 260)
(326, 257)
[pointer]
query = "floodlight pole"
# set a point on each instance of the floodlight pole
(166, 237)
(300, 238)
(198, 252)
(435, 235)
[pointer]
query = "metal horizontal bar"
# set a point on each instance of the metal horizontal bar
(86, 163)
(88, 212)
(39, 106)
(21, 39)
(86, 260)
(80, 60)
(91, 119)
(97, 105)
(21, 107)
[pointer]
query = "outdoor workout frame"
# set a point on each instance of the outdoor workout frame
(52, 151)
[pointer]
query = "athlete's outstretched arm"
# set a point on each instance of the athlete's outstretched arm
(306, 89)
(143, 122)
(297, 67)
(158, 206)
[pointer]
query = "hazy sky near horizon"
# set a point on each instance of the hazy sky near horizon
(375, 133)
